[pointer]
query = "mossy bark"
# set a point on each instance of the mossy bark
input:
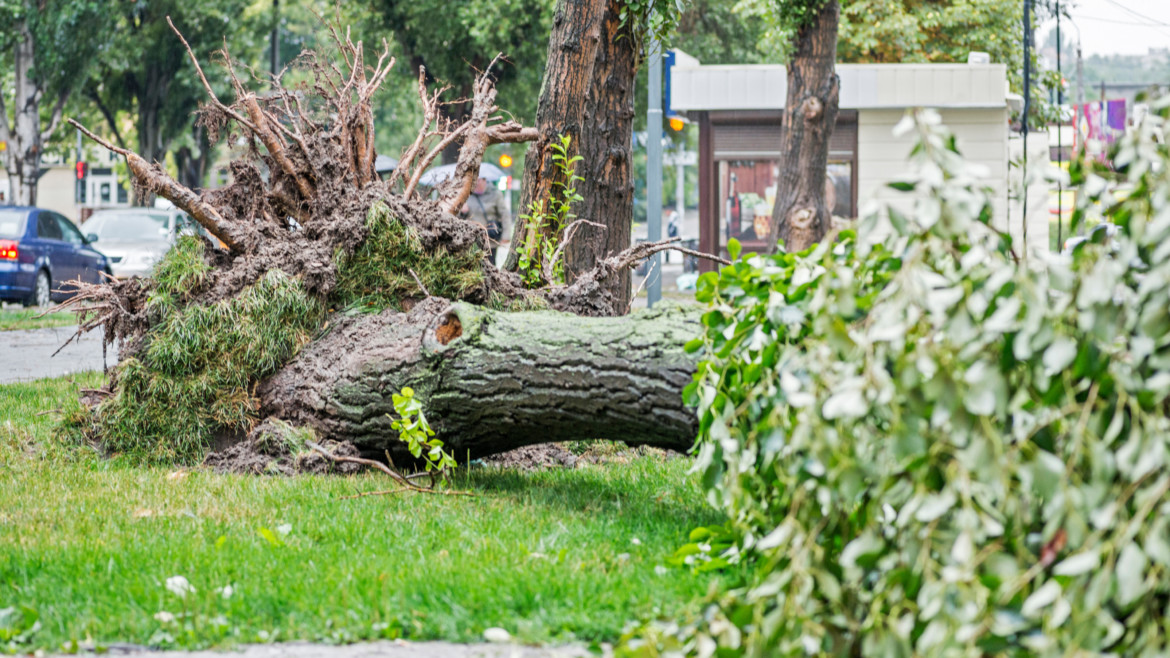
(494, 381)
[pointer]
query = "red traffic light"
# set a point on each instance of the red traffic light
(82, 170)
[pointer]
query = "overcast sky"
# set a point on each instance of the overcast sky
(1117, 26)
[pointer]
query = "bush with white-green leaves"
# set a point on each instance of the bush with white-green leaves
(929, 447)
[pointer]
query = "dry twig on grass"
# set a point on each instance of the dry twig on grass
(403, 481)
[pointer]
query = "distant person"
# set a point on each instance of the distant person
(487, 207)
(671, 219)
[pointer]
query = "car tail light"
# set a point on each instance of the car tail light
(9, 250)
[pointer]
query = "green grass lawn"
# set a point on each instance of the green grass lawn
(26, 318)
(553, 555)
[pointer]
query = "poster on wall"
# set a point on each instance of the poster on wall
(1103, 121)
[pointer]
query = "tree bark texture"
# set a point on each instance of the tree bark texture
(607, 168)
(801, 216)
(592, 57)
(568, 75)
(494, 381)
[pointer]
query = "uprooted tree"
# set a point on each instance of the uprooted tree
(326, 290)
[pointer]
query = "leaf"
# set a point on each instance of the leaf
(935, 506)
(849, 403)
(1131, 574)
(1043, 597)
(271, 537)
(1059, 355)
(1078, 564)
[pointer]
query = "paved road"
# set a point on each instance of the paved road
(28, 354)
(371, 650)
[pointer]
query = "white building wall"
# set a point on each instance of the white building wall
(981, 134)
(1039, 191)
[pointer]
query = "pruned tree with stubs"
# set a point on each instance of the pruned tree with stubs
(801, 217)
(320, 291)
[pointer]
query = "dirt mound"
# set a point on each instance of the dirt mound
(541, 455)
(257, 456)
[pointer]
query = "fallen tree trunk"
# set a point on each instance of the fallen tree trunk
(494, 381)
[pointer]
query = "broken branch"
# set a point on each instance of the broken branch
(157, 181)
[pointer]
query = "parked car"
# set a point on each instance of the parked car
(39, 251)
(134, 239)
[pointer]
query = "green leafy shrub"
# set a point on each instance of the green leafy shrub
(194, 376)
(416, 433)
(540, 262)
(929, 448)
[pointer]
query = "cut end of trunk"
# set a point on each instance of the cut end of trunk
(449, 328)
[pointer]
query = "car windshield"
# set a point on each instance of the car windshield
(128, 226)
(12, 223)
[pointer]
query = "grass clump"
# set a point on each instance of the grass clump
(378, 273)
(193, 378)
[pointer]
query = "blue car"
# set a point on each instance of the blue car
(39, 251)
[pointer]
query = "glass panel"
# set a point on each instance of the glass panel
(839, 189)
(747, 190)
(12, 223)
(69, 231)
(47, 227)
(747, 193)
(136, 226)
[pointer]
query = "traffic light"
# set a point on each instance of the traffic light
(82, 171)
(505, 161)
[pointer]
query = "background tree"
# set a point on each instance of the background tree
(801, 216)
(594, 54)
(146, 74)
(937, 31)
(43, 46)
(455, 40)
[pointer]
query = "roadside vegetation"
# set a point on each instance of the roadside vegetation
(14, 317)
(101, 551)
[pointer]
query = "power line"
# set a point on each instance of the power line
(1150, 21)
(1137, 14)
(1114, 21)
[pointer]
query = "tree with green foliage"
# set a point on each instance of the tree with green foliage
(47, 45)
(146, 73)
(929, 445)
(937, 31)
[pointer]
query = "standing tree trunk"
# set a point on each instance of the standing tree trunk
(568, 77)
(801, 217)
(591, 56)
(494, 381)
(25, 139)
(193, 168)
(608, 185)
(150, 95)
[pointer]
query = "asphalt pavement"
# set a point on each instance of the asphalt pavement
(27, 354)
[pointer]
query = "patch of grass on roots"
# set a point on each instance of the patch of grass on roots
(378, 273)
(193, 379)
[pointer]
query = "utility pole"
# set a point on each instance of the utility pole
(1027, 110)
(1059, 138)
(275, 39)
(654, 172)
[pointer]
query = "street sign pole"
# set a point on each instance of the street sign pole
(654, 172)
